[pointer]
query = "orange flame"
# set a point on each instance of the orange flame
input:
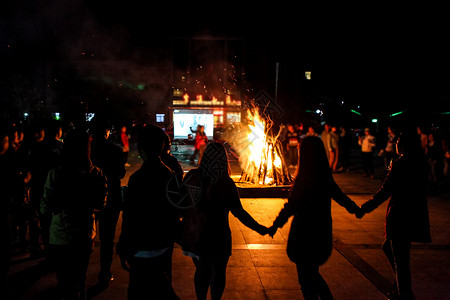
(258, 158)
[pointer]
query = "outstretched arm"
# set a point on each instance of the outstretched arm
(382, 195)
(239, 212)
(283, 216)
(342, 199)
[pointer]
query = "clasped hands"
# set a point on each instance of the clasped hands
(268, 230)
(359, 213)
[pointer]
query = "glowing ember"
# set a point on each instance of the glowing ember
(260, 153)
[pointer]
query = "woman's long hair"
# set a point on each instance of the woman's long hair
(214, 163)
(313, 168)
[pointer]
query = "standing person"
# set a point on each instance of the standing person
(435, 158)
(345, 148)
(21, 210)
(293, 138)
(149, 223)
(169, 160)
(325, 136)
(109, 158)
(125, 142)
(311, 131)
(215, 195)
(310, 238)
(6, 170)
(334, 148)
(407, 212)
(37, 161)
(73, 192)
(423, 138)
(389, 152)
(200, 143)
(367, 143)
(52, 158)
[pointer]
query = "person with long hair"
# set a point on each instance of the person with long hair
(72, 193)
(214, 194)
(407, 217)
(310, 238)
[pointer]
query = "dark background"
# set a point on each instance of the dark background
(377, 59)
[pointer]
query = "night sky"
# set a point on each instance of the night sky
(379, 57)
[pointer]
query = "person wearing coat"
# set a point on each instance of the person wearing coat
(207, 234)
(72, 193)
(150, 223)
(310, 238)
(109, 158)
(407, 217)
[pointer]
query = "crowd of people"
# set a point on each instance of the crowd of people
(46, 170)
(55, 192)
(340, 142)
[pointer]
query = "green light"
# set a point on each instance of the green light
(374, 120)
(140, 86)
(355, 112)
(446, 113)
(396, 114)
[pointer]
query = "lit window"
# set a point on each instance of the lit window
(308, 75)
(160, 118)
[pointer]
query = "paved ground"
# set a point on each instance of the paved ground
(260, 269)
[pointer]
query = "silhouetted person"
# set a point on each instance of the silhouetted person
(149, 223)
(73, 192)
(109, 158)
(293, 138)
(389, 152)
(125, 142)
(39, 168)
(367, 143)
(215, 195)
(6, 171)
(345, 148)
(169, 160)
(21, 210)
(435, 159)
(334, 148)
(407, 212)
(51, 158)
(310, 238)
(326, 139)
(200, 141)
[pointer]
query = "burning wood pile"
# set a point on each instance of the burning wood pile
(260, 152)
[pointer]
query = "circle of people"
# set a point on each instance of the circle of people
(57, 191)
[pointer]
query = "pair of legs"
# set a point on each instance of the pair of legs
(367, 158)
(71, 263)
(107, 221)
(334, 159)
(293, 156)
(313, 286)
(210, 272)
(398, 254)
(151, 277)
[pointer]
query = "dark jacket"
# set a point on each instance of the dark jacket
(217, 200)
(310, 236)
(109, 158)
(407, 211)
(71, 196)
(150, 221)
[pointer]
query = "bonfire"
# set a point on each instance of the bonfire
(260, 152)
